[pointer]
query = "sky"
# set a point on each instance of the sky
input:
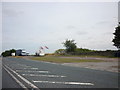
(30, 25)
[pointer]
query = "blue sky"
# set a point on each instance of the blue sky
(29, 25)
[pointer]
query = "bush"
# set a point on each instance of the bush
(8, 52)
(87, 52)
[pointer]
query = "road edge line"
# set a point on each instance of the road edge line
(25, 80)
(23, 86)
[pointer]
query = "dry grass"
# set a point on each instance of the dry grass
(56, 59)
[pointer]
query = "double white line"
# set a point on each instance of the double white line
(38, 75)
(25, 80)
(32, 71)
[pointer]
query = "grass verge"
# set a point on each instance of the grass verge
(95, 56)
(63, 60)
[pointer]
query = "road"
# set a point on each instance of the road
(8, 81)
(38, 74)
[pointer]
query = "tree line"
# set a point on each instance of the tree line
(88, 52)
(72, 49)
(8, 52)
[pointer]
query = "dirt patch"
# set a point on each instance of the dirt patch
(94, 58)
(110, 64)
(105, 66)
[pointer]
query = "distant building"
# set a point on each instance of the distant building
(21, 52)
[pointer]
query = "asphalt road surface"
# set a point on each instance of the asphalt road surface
(38, 74)
(8, 81)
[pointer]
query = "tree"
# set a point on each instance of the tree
(12, 50)
(116, 39)
(70, 45)
(8, 52)
(60, 51)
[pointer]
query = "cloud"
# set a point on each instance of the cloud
(108, 33)
(11, 12)
(71, 27)
(81, 33)
(103, 22)
(119, 12)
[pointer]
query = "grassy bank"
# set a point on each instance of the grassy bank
(95, 56)
(56, 59)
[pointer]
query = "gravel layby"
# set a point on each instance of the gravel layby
(108, 64)
(105, 66)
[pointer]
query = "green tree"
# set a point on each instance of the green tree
(70, 46)
(60, 51)
(12, 50)
(116, 39)
(8, 52)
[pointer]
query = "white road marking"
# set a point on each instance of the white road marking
(32, 71)
(42, 75)
(25, 80)
(23, 86)
(23, 65)
(73, 83)
(31, 68)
